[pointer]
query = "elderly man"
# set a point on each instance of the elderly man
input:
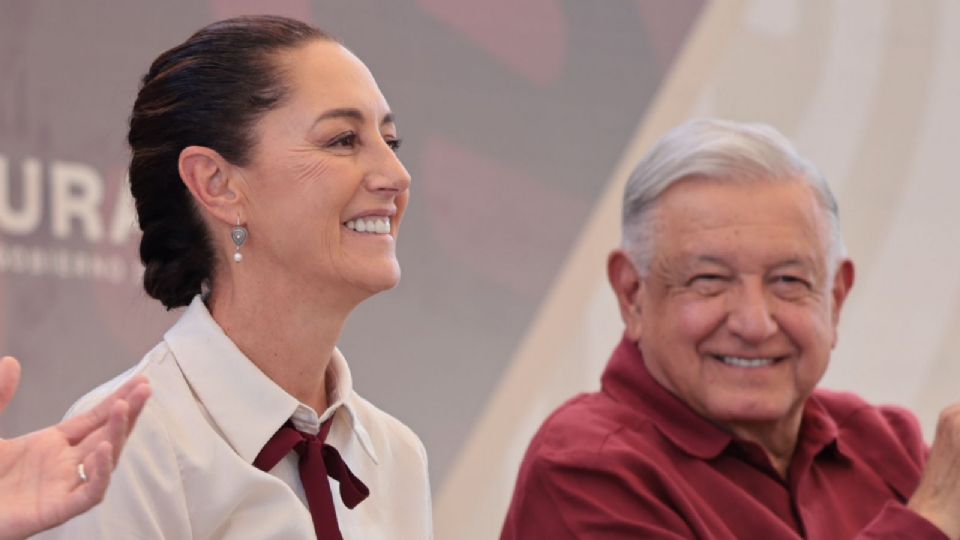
(730, 279)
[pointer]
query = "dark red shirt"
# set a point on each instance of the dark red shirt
(633, 461)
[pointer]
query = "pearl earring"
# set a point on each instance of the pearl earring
(239, 236)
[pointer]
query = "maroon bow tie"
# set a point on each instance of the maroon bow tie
(317, 461)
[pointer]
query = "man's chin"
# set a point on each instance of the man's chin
(749, 412)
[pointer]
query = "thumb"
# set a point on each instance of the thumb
(9, 380)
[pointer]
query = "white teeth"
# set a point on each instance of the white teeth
(746, 362)
(374, 225)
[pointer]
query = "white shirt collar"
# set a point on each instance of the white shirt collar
(245, 405)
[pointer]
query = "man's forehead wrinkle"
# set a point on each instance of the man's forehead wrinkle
(665, 268)
(688, 257)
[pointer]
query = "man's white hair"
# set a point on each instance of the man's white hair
(716, 150)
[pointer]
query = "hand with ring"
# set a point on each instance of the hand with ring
(54, 474)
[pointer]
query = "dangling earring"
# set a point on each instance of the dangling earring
(239, 236)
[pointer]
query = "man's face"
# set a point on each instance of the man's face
(739, 311)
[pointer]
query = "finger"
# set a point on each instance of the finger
(97, 466)
(81, 426)
(117, 428)
(78, 427)
(9, 380)
(130, 386)
(114, 430)
(123, 416)
(136, 399)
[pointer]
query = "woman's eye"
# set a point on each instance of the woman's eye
(394, 144)
(347, 140)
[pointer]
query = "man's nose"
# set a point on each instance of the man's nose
(750, 316)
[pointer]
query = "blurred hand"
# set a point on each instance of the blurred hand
(938, 496)
(40, 486)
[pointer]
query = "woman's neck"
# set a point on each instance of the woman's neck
(287, 333)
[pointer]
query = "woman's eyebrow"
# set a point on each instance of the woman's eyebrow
(345, 112)
(352, 113)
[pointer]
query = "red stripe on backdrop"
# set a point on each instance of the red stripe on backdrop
(502, 28)
(667, 25)
(492, 217)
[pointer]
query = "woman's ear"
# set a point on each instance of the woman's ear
(213, 182)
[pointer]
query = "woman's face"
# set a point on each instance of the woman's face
(326, 192)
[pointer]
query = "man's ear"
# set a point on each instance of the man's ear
(842, 283)
(211, 180)
(626, 283)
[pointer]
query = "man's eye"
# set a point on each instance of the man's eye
(791, 280)
(709, 284)
(791, 286)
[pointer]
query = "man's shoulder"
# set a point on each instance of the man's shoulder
(886, 434)
(590, 424)
(852, 412)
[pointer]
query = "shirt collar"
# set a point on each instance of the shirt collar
(340, 394)
(819, 432)
(245, 405)
(627, 380)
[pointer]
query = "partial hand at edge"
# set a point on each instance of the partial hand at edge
(39, 484)
(937, 498)
(9, 380)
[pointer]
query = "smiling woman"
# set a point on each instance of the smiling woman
(270, 197)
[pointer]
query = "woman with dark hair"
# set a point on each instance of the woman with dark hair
(270, 195)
